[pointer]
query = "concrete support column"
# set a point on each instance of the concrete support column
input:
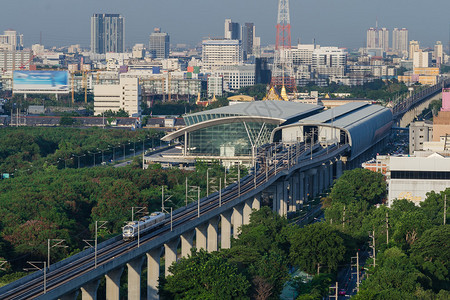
(113, 284)
(89, 290)
(170, 256)
(315, 184)
(134, 278)
(247, 211)
(200, 237)
(302, 187)
(187, 242)
(70, 296)
(330, 174)
(339, 168)
(237, 220)
(326, 173)
(153, 263)
(295, 192)
(287, 189)
(212, 234)
(321, 179)
(225, 233)
(256, 204)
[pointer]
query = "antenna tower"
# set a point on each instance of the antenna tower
(283, 69)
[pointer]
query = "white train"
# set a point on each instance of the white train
(130, 231)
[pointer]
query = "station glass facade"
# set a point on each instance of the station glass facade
(229, 140)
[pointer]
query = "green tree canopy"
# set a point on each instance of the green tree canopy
(204, 275)
(317, 245)
(359, 184)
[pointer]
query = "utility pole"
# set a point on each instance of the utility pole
(143, 153)
(207, 182)
(343, 218)
(356, 264)
(445, 209)
(186, 194)
(239, 180)
(372, 235)
(387, 228)
(198, 201)
(220, 192)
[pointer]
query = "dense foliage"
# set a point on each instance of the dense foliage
(376, 90)
(412, 260)
(29, 149)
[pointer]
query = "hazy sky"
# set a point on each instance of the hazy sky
(331, 22)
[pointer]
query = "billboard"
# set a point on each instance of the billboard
(40, 82)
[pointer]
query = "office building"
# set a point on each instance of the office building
(218, 53)
(126, 95)
(232, 30)
(400, 41)
(235, 77)
(419, 133)
(413, 47)
(329, 61)
(421, 59)
(11, 60)
(248, 36)
(11, 41)
(107, 33)
(159, 44)
(302, 55)
(413, 177)
(438, 53)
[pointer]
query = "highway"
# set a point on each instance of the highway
(278, 158)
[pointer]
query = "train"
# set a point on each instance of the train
(130, 231)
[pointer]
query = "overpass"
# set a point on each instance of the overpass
(301, 160)
(408, 104)
(290, 172)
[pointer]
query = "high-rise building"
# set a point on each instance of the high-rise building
(159, 44)
(378, 38)
(248, 35)
(400, 41)
(232, 30)
(107, 33)
(438, 53)
(413, 47)
(218, 53)
(383, 39)
(421, 59)
(11, 41)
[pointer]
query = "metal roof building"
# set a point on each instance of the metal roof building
(232, 132)
(361, 125)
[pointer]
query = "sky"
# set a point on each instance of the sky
(340, 23)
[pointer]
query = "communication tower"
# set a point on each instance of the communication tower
(283, 69)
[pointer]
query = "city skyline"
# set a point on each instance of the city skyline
(341, 23)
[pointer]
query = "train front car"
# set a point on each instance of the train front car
(128, 231)
(132, 229)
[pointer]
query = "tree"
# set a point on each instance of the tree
(269, 274)
(395, 278)
(204, 275)
(432, 254)
(267, 231)
(317, 246)
(359, 184)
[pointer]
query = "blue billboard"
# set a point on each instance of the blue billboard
(41, 82)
